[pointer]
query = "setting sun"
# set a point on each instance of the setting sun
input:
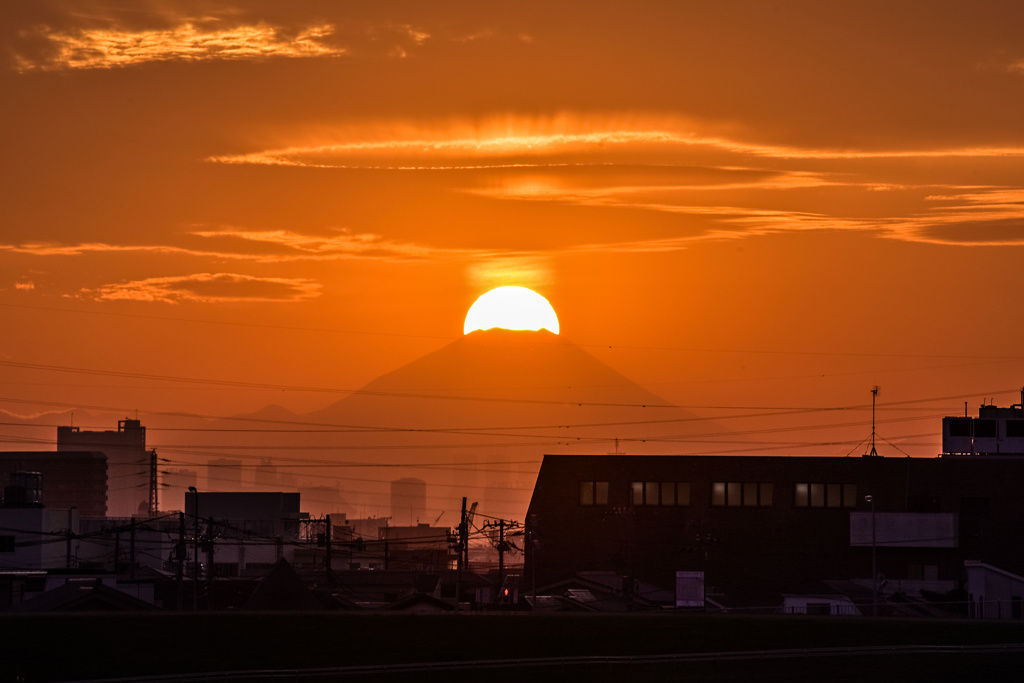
(513, 308)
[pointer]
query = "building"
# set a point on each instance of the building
(421, 547)
(175, 482)
(269, 478)
(34, 537)
(996, 431)
(128, 463)
(242, 533)
(71, 479)
(751, 525)
(224, 474)
(408, 501)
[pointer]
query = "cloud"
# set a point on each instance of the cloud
(503, 142)
(1000, 232)
(341, 245)
(29, 285)
(989, 217)
(523, 270)
(105, 48)
(287, 247)
(208, 288)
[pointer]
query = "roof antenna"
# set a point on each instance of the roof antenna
(874, 395)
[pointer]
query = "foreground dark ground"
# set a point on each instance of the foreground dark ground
(355, 646)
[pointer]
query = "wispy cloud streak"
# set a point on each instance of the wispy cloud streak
(110, 47)
(290, 247)
(208, 288)
(431, 152)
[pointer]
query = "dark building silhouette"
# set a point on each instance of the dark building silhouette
(224, 474)
(71, 479)
(128, 463)
(408, 501)
(776, 524)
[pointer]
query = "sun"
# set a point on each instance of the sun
(513, 308)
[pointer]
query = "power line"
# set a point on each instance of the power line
(326, 390)
(613, 346)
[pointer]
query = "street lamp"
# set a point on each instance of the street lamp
(195, 548)
(874, 568)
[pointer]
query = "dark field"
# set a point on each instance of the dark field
(355, 647)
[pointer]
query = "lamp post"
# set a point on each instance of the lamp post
(874, 567)
(195, 548)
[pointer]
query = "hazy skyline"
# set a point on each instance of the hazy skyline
(737, 206)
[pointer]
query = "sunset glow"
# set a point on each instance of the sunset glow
(244, 223)
(511, 308)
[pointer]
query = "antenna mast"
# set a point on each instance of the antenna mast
(874, 395)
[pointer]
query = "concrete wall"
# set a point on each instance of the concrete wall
(39, 538)
(904, 529)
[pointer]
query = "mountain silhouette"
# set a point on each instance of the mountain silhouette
(472, 419)
(475, 417)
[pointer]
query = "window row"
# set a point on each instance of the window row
(660, 492)
(723, 494)
(593, 493)
(984, 427)
(742, 494)
(825, 495)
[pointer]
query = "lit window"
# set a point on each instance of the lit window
(593, 493)
(766, 494)
(733, 494)
(817, 495)
(683, 493)
(800, 498)
(637, 490)
(718, 493)
(586, 493)
(849, 495)
(750, 494)
(662, 493)
(651, 493)
(668, 493)
(832, 495)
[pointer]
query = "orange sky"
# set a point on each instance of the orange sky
(736, 204)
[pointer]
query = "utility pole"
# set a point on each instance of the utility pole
(131, 549)
(387, 547)
(502, 547)
(181, 559)
(531, 543)
(153, 485)
(71, 534)
(327, 548)
(209, 563)
(874, 566)
(195, 548)
(461, 545)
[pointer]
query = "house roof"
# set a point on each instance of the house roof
(83, 596)
(282, 589)
(421, 602)
(601, 592)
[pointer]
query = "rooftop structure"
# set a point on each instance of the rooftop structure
(996, 431)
